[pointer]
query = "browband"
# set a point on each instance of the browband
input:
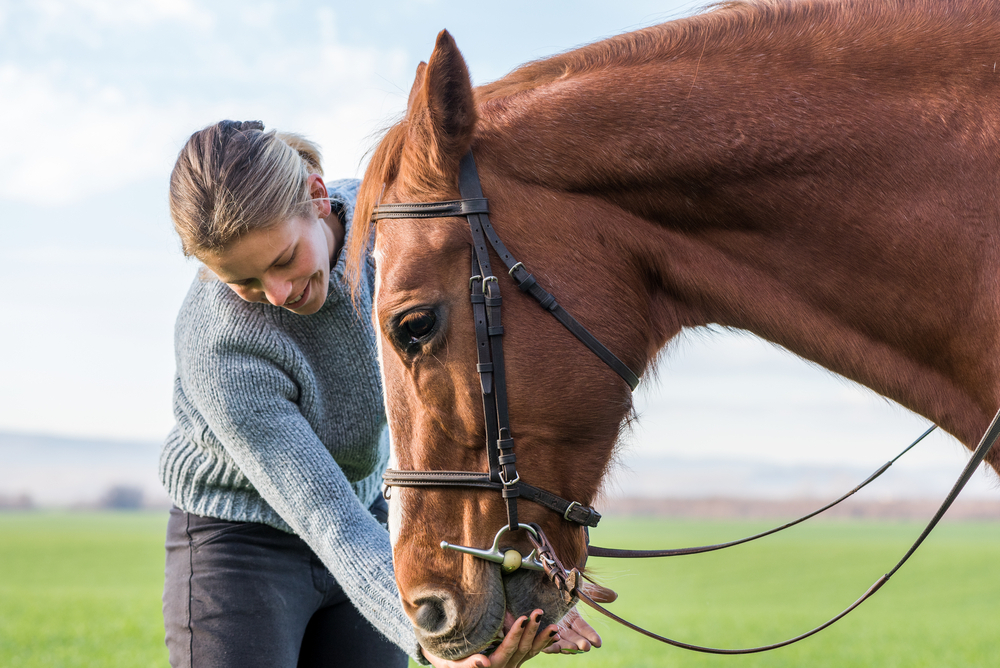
(457, 207)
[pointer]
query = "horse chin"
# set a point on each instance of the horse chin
(528, 590)
(504, 598)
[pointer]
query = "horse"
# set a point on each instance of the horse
(821, 173)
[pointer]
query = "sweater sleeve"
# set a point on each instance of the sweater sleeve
(248, 401)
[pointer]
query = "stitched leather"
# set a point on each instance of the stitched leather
(453, 208)
(578, 514)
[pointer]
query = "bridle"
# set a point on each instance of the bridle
(484, 289)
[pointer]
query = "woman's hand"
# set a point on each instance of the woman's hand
(575, 635)
(521, 643)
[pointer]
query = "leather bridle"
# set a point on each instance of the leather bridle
(484, 289)
(503, 477)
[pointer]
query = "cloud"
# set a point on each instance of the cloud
(98, 138)
(106, 92)
(115, 12)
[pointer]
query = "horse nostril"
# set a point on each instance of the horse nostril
(434, 614)
(431, 615)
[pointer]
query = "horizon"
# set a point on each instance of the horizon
(61, 472)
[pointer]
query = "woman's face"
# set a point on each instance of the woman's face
(286, 264)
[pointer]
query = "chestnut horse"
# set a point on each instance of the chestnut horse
(822, 173)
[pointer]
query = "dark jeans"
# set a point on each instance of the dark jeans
(242, 594)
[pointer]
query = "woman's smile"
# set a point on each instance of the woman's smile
(300, 300)
(296, 300)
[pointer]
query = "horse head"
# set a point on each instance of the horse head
(428, 349)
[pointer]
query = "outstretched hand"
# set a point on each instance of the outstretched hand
(521, 643)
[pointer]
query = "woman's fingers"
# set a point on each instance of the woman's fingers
(524, 641)
(579, 625)
(575, 635)
(598, 593)
(474, 661)
(521, 643)
(545, 639)
(527, 641)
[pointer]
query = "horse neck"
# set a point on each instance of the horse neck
(810, 210)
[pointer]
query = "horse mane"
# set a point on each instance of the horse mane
(835, 32)
(383, 166)
(846, 28)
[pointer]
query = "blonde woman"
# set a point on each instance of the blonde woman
(277, 553)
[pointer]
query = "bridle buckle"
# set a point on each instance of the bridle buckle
(513, 482)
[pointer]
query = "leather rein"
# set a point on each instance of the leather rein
(503, 477)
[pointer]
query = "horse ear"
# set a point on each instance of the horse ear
(418, 87)
(441, 113)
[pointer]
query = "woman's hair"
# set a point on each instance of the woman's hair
(232, 177)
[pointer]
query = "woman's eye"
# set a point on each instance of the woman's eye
(417, 325)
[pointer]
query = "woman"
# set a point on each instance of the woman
(277, 553)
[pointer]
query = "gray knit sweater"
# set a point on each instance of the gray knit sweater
(280, 421)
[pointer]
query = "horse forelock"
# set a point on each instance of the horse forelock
(382, 170)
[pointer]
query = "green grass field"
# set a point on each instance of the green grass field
(83, 589)
(940, 610)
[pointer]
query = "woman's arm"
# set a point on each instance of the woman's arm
(244, 390)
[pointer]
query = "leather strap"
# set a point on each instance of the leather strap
(449, 209)
(485, 365)
(469, 187)
(595, 551)
(571, 511)
(499, 444)
(988, 440)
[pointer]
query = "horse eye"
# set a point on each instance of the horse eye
(417, 324)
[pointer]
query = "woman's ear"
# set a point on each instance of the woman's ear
(319, 195)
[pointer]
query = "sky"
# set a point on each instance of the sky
(97, 97)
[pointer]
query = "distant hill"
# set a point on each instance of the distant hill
(722, 508)
(41, 470)
(669, 477)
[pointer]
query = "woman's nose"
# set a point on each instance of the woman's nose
(277, 291)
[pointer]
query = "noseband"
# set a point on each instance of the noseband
(484, 289)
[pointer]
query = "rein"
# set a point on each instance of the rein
(988, 440)
(503, 477)
(594, 551)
